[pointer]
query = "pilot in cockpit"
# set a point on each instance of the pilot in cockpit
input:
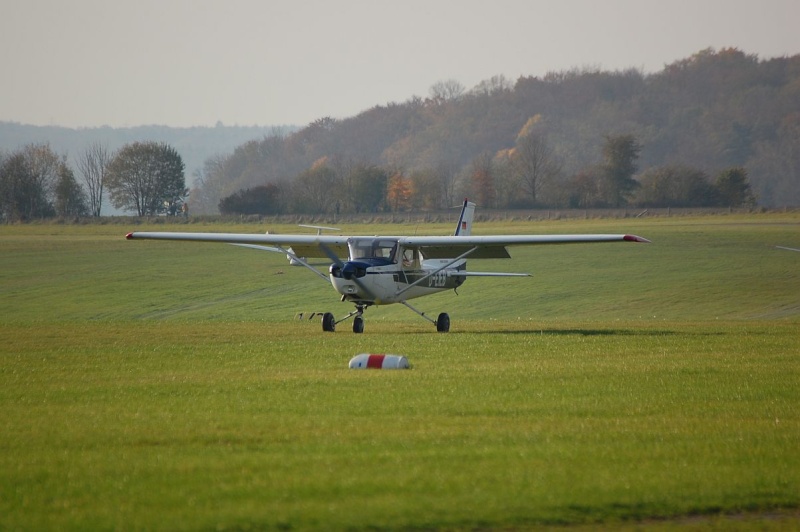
(409, 259)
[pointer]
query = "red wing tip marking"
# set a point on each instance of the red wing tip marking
(634, 238)
(129, 236)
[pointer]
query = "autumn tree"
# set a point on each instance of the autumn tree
(399, 192)
(482, 180)
(144, 176)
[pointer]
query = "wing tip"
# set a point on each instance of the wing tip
(634, 238)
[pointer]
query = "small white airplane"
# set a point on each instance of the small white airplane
(380, 270)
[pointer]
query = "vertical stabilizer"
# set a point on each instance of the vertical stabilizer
(464, 227)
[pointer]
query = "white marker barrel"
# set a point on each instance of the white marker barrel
(372, 361)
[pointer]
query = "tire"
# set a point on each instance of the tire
(328, 322)
(443, 323)
(358, 325)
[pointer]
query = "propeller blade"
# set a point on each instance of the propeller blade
(366, 292)
(330, 254)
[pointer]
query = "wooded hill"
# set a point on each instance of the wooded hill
(698, 117)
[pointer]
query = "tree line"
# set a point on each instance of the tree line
(526, 177)
(537, 142)
(148, 179)
(143, 177)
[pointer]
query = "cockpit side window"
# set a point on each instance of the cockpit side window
(386, 249)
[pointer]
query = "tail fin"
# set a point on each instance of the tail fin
(464, 227)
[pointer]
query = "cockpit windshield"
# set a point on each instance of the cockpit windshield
(373, 248)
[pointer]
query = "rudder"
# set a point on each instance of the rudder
(464, 227)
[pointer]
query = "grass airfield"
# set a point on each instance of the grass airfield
(156, 385)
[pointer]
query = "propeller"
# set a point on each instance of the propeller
(347, 274)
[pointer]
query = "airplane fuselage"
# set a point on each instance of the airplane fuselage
(381, 281)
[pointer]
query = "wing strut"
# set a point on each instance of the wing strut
(434, 272)
(307, 265)
(422, 314)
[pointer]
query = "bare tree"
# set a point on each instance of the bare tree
(92, 165)
(443, 91)
(534, 162)
(494, 85)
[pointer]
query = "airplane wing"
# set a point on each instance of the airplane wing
(433, 247)
(302, 245)
(495, 246)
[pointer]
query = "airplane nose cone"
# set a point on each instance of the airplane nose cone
(353, 269)
(348, 271)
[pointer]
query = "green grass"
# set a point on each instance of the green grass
(152, 385)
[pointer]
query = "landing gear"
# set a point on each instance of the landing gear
(328, 322)
(443, 323)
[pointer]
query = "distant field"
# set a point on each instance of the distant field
(155, 385)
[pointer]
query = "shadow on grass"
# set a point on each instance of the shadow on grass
(594, 332)
(583, 332)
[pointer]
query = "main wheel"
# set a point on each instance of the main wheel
(358, 325)
(328, 322)
(443, 322)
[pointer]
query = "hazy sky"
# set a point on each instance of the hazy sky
(263, 62)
